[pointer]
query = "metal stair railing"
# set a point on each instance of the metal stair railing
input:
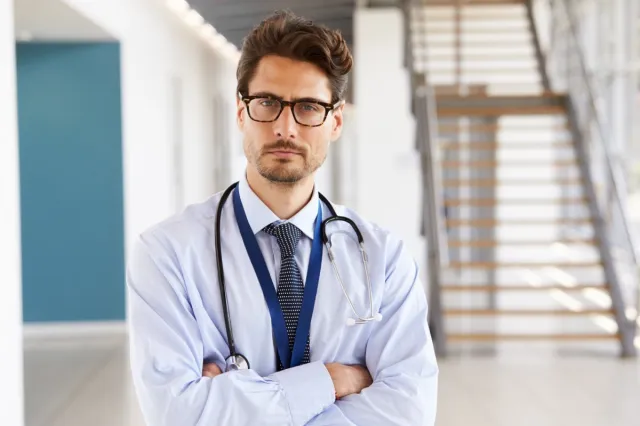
(605, 185)
(424, 109)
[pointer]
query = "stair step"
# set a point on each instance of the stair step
(525, 312)
(497, 265)
(487, 337)
(475, 56)
(501, 288)
(484, 57)
(492, 164)
(482, 183)
(493, 146)
(483, 97)
(491, 223)
(471, 43)
(496, 127)
(420, 28)
(495, 243)
(468, 3)
(464, 71)
(498, 111)
(477, 102)
(483, 202)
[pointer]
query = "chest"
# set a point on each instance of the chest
(343, 293)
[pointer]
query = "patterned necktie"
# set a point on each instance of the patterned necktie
(290, 285)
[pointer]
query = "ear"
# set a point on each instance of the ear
(240, 115)
(337, 122)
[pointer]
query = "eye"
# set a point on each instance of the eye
(310, 107)
(268, 102)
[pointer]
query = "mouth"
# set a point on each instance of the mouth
(284, 153)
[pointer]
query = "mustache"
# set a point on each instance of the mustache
(283, 145)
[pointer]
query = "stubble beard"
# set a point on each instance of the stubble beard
(284, 171)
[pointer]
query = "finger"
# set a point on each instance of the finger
(212, 367)
(211, 370)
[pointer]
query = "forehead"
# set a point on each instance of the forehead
(290, 79)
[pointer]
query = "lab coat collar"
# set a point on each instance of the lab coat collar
(259, 215)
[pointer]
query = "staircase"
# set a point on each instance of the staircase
(527, 256)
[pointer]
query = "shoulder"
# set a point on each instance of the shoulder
(193, 225)
(379, 240)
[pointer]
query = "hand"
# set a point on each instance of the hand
(348, 379)
(211, 370)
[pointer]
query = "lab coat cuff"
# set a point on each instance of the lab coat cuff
(309, 390)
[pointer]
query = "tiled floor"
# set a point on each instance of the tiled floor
(87, 382)
(79, 383)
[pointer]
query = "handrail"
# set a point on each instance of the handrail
(607, 201)
(434, 189)
(615, 178)
(437, 189)
(423, 105)
(432, 222)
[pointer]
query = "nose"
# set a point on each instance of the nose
(285, 127)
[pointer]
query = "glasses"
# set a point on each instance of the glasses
(265, 109)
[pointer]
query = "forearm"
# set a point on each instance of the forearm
(167, 360)
(238, 398)
(399, 356)
(392, 401)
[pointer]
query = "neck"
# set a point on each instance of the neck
(284, 200)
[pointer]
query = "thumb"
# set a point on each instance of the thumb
(211, 370)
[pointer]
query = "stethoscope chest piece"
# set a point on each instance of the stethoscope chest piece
(236, 362)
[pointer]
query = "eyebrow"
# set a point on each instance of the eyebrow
(304, 99)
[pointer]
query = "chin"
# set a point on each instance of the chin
(283, 174)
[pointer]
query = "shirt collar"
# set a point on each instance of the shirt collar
(259, 215)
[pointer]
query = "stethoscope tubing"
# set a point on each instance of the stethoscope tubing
(221, 283)
(223, 291)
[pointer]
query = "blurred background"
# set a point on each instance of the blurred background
(502, 135)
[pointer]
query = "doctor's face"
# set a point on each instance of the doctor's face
(294, 145)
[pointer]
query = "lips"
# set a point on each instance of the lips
(284, 153)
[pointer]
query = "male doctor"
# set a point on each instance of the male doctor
(291, 81)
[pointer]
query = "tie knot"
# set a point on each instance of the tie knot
(287, 235)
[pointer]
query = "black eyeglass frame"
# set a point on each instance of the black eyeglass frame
(283, 104)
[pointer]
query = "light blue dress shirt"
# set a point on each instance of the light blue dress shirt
(177, 324)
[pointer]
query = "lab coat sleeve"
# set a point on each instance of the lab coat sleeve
(399, 356)
(167, 360)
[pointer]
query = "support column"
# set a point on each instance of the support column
(11, 387)
(387, 162)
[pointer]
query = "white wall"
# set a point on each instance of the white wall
(11, 390)
(388, 167)
(157, 48)
(233, 161)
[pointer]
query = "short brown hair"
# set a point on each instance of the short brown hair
(287, 35)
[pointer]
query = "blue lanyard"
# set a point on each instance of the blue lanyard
(268, 289)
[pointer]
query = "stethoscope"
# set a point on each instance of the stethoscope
(237, 361)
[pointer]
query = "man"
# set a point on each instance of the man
(291, 81)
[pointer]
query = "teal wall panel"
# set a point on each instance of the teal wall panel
(70, 130)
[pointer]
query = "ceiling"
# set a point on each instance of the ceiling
(235, 18)
(54, 20)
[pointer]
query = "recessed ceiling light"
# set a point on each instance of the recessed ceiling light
(208, 31)
(194, 19)
(178, 5)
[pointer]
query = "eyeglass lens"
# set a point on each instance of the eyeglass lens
(305, 113)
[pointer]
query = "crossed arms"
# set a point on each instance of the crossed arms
(398, 386)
